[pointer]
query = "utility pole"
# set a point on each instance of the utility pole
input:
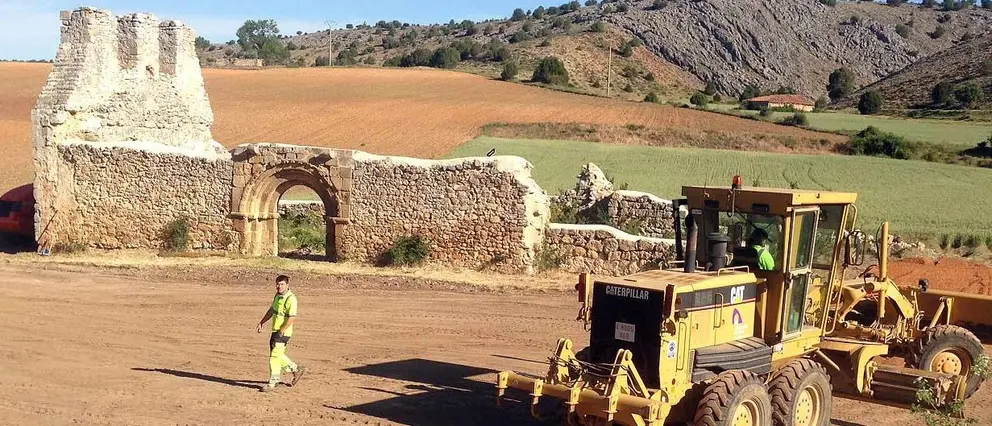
(329, 45)
(609, 68)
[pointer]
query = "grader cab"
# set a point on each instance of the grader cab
(755, 322)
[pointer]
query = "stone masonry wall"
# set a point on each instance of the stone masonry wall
(473, 211)
(600, 249)
(123, 197)
(654, 213)
(128, 82)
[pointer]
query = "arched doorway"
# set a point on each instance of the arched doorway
(256, 204)
(301, 224)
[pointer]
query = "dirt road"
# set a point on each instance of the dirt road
(84, 345)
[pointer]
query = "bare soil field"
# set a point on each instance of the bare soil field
(410, 112)
(174, 344)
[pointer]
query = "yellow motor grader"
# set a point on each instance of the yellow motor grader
(755, 323)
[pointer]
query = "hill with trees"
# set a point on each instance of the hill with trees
(668, 47)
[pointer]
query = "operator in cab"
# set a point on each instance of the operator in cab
(756, 242)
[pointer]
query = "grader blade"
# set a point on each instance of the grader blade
(964, 309)
(610, 397)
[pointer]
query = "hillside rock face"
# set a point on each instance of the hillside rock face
(795, 43)
(969, 62)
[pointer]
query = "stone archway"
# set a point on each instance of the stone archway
(263, 173)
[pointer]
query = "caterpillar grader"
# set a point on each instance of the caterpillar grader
(759, 320)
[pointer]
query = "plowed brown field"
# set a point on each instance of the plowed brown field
(411, 112)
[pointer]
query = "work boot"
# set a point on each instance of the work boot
(268, 387)
(298, 373)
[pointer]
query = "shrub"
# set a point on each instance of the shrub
(941, 93)
(797, 119)
(874, 142)
(870, 103)
(549, 259)
(510, 70)
(445, 58)
(628, 88)
(968, 94)
(518, 15)
(902, 30)
(660, 4)
(520, 36)
(546, 42)
(699, 99)
(821, 104)
(626, 51)
(765, 112)
(176, 235)
(987, 4)
(321, 61)
(938, 33)
(829, 2)
(551, 71)
(840, 84)
(597, 27)
(591, 2)
(649, 77)
(408, 250)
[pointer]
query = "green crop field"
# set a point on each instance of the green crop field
(915, 197)
(958, 134)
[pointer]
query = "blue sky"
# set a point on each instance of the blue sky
(29, 29)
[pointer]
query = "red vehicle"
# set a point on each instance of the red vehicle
(17, 212)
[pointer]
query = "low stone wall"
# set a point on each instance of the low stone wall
(654, 213)
(600, 249)
(301, 207)
(117, 197)
(472, 211)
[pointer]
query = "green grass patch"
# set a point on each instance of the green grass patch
(916, 197)
(958, 134)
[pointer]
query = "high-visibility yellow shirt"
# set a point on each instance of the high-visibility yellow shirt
(283, 307)
(765, 260)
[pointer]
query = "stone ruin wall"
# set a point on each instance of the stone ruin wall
(122, 197)
(652, 215)
(123, 147)
(604, 250)
(472, 212)
(130, 87)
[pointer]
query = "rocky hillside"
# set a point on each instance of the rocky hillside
(794, 43)
(969, 62)
(732, 43)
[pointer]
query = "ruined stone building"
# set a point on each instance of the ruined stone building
(123, 147)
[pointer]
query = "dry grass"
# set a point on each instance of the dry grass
(411, 112)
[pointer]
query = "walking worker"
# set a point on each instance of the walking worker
(283, 314)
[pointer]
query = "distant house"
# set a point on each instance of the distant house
(797, 102)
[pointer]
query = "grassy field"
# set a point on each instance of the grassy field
(958, 134)
(915, 197)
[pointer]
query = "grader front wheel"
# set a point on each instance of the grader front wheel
(801, 394)
(948, 349)
(736, 398)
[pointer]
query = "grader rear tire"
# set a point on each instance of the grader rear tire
(736, 398)
(801, 394)
(948, 349)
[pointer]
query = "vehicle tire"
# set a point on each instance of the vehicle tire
(801, 394)
(949, 349)
(735, 397)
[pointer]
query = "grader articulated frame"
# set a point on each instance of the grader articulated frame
(728, 341)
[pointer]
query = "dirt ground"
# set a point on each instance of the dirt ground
(945, 274)
(421, 113)
(173, 344)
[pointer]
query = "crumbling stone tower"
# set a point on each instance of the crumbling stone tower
(129, 81)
